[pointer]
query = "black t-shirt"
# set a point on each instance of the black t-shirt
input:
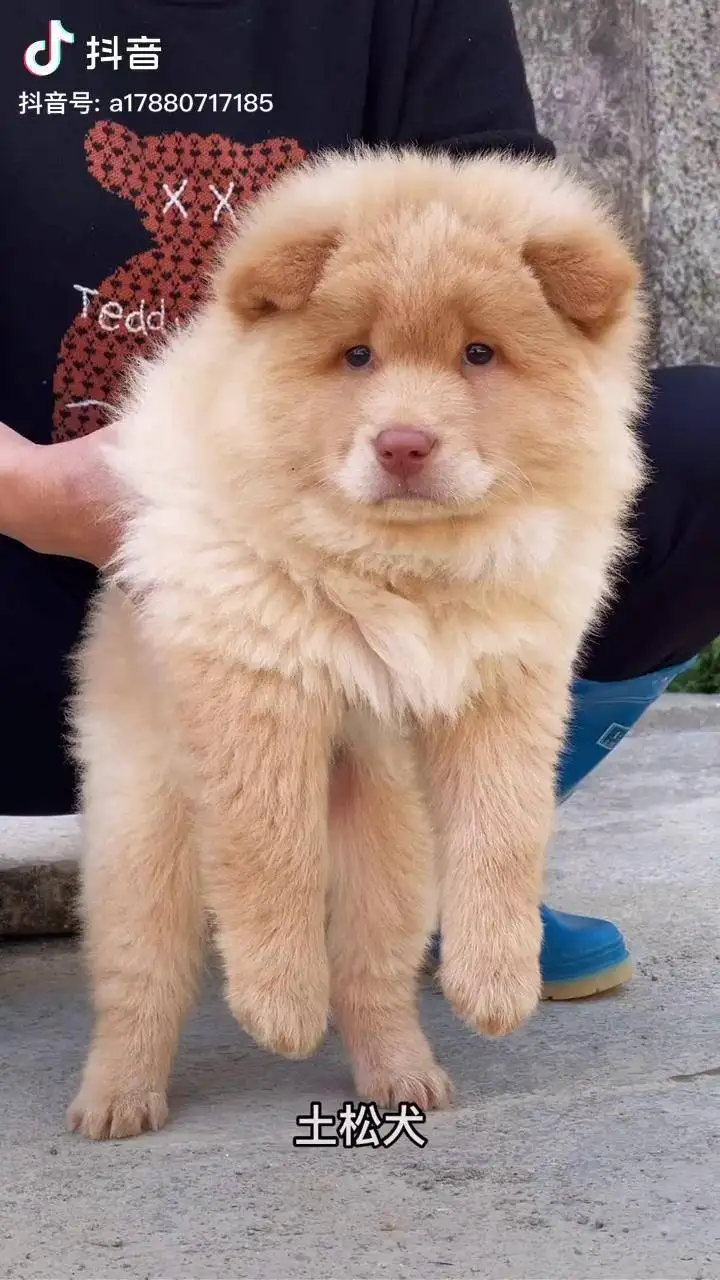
(132, 129)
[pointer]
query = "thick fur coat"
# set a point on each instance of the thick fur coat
(323, 698)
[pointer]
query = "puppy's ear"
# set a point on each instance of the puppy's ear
(276, 270)
(586, 273)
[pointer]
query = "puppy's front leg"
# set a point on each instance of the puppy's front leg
(261, 748)
(491, 778)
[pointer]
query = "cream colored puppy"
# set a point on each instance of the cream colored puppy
(379, 486)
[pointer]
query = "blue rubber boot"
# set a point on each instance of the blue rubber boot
(582, 956)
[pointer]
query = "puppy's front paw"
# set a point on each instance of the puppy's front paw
(286, 1010)
(496, 994)
(101, 1111)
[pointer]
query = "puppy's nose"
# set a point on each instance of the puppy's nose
(403, 451)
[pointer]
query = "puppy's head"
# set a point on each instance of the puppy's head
(428, 338)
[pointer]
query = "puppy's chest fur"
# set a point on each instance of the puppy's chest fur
(398, 648)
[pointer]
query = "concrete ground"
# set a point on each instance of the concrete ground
(587, 1145)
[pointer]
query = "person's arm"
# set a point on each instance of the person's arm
(59, 499)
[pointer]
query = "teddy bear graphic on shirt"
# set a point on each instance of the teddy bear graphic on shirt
(186, 188)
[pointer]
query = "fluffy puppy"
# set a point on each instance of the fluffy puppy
(379, 486)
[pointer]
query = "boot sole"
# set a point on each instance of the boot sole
(593, 985)
(577, 989)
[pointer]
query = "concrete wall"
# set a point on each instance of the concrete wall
(630, 90)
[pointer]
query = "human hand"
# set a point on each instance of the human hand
(60, 499)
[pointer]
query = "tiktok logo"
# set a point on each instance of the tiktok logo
(57, 37)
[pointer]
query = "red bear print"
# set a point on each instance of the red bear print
(186, 187)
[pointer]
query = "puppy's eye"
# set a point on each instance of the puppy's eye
(478, 353)
(358, 357)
